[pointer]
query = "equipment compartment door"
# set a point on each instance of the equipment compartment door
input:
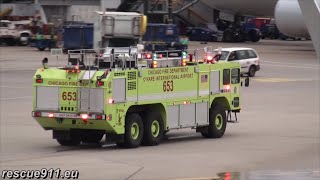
(214, 82)
(204, 84)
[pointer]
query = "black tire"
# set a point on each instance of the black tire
(252, 71)
(153, 129)
(216, 130)
(133, 140)
(10, 42)
(41, 48)
(69, 142)
(228, 36)
(92, 138)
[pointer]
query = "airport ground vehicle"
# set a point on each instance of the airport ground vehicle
(247, 57)
(77, 36)
(163, 37)
(134, 100)
(201, 34)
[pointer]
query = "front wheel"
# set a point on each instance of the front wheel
(217, 122)
(133, 131)
(154, 130)
(252, 71)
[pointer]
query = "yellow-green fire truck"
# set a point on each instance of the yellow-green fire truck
(134, 98)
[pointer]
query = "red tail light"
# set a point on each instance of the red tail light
(39, 80)
(36, 114)
(209, 58)
(100, 83)
(226, 88)
(160, 55)
(84, 116)
(148, 56)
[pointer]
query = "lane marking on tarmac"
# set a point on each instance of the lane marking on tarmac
(14, 98)
(279, 80)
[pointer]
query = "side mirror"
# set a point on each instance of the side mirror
(246, 82)
(45, 63)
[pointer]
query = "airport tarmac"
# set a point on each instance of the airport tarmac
(278, 131)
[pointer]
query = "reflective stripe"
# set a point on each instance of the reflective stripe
(149, 97)
(204, 92)
(132, 98)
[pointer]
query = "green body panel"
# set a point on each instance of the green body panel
(157, 88)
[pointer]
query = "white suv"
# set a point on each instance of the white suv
(247, 57)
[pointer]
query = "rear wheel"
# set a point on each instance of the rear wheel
(228, 36)
(133, 131)
(252, 71)
(41, 48)
(217, 123)
(154, 130)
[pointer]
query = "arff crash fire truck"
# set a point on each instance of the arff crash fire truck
(133, 98)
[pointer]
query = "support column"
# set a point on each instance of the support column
(311, 12)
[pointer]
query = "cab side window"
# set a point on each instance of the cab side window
(235, 76)
(226, 76)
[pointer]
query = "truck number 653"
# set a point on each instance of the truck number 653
(69, 96)
(167, 86)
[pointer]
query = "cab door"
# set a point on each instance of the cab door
(235, 88)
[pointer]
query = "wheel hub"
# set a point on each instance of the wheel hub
(155, 128)
(135, 130)
(219, 121)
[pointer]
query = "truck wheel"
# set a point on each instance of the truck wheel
(10, 42)
(133, 131)
(228, 36)
(252, 71)
(69, 142)
(41, 48)
(153, 129)
(217, 122)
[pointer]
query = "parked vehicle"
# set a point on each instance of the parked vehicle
(201, 34)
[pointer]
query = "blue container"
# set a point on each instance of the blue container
(78, 36)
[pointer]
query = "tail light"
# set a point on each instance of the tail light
(84, 116)
(160, 55)
(209, 58)
(148, 56)
(36, 114)
(100, 83)
(226, 88)
(39, 80)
